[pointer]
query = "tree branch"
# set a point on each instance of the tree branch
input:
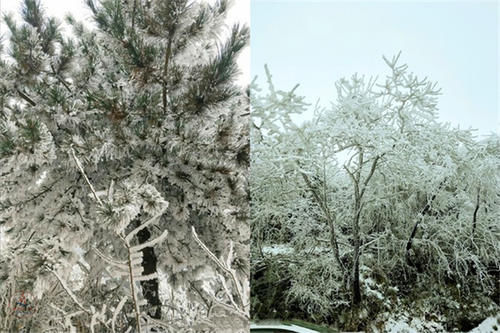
(79, 165)
(372, 171)
(25, 97)
(227, 269)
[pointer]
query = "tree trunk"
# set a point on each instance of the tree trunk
(359, 191)
(474, 216)
(150, 287)
(356, 289)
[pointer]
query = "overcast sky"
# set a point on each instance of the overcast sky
(239, 12)
(315, 43)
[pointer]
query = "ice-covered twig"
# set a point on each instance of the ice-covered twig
(73, 297)
(225, 268)
(117, 311)
(116, 263)
(79, 165)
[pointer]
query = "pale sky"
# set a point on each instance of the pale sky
(239, 12)
(315, 43)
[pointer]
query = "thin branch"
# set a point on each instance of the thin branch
(60, 79)
(119, 264)
(224, 268)
(207, 303)
(165, 70)
(25, 97)
(75, 300)
(117, 311)
(45, 190)
(351, 174)
(79, 165)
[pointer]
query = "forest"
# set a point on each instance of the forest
(124, 153)
(374, 212)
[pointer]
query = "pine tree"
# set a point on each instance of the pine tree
(99, 133)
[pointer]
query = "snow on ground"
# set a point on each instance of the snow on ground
(277, 249)
(399, 326)
(489, 325)
(416, 325)
(405, 323)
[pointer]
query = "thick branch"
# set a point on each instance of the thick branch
(372, 171)
(132, 289)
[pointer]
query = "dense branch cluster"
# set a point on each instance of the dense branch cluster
(371, 203)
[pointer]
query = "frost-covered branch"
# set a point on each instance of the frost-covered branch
(226, 268)
(79, 165)
(75, 299)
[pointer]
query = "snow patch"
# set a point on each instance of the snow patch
(277, 249)
(398, 326)
(403, 324)
(489, 325)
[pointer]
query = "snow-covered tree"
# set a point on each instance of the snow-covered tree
(99, 133)
(374, 188)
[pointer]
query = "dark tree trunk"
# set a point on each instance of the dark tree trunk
(150, 288)
(474, 216)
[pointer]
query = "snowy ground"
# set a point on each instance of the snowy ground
(489, 325)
